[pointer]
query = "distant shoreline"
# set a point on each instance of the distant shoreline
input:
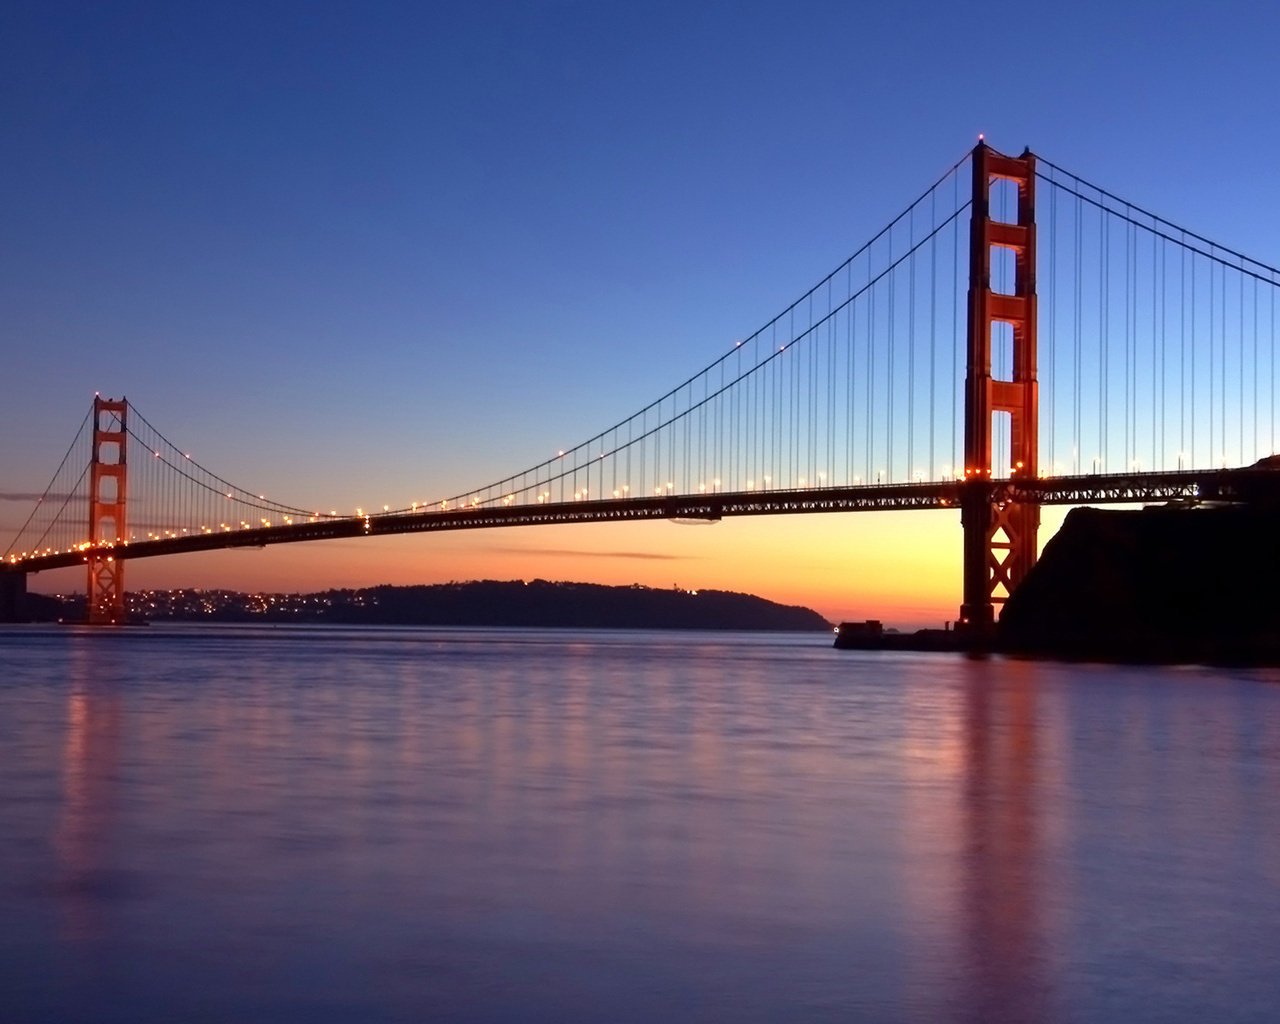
(482, 603)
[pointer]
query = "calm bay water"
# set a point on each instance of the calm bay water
(235, 824)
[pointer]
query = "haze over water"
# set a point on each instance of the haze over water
(240, 824)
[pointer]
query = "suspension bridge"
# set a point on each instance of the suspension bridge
(1016, 337)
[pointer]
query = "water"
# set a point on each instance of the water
(251, 825)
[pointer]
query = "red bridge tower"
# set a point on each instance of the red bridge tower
(999, 535)
(107, 490)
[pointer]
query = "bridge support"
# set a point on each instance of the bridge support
(107, 491)
(999, 537)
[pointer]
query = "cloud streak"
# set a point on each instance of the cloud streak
(645, 556)
(27, 496)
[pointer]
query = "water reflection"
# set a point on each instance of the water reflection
(399, 826)
(1001, 913)
(84, 831)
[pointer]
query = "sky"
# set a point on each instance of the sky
(354, 254)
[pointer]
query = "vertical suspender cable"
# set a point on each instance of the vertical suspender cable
(910, 348)
(1103, 237)
(1213, 335)
(1078, 332)
(1159, 337)
(1053, 322)
(889, 367)
(933, 327)
(1191, 452)
(871, 367)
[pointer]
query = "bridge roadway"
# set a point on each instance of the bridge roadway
(1230, 485)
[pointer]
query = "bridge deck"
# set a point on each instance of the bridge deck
(1189, 485)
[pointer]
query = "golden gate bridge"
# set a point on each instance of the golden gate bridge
(1109, 355)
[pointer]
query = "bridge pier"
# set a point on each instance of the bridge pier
(999, 536)
(13, 595)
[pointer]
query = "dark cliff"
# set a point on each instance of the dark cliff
(1161, 584)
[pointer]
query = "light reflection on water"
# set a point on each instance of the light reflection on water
(383, 825)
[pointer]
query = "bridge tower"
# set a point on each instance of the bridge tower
(107, 489)
(999, 535)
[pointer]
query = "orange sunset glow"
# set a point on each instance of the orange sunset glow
(903, 568)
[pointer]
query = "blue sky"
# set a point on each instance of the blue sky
(367, 253)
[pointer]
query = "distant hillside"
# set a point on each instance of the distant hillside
(487, 603)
